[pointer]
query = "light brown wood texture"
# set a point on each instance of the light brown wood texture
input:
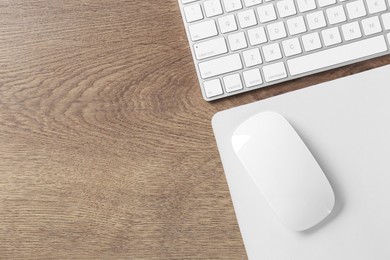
(106, 147)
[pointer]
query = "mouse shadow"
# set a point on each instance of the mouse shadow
(337, 209)
(339, 198)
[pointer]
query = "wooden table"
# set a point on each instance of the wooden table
(106, 147)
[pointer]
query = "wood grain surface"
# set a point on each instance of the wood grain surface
(106, 147)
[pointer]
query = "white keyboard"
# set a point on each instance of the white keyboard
(241, 45)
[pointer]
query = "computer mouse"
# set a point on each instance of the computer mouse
(285, 171)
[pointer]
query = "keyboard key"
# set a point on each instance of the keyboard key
(210, 48)
(188, 1)
(212, 8)
(272, 52)
(247, 18)
(257, 36)
(316, 20)
(274, 72)
(296, 25)
(193, 13)
(249, 3)
(213, 88)
(252, 78)
(351, 31)
(311, 41)
(276, 31)
(203, 30)
(337, 55)
(331, 36)
(266, 13)
(232, 83)
(306, 5)
(291, 47)
(237, 41)
(286, 8)
(371, 25)
(232, 5)
(323, 3)
(376, 6)
(252, 57)
(227, 24)
(220, 66)
(336, 14)
(386, 20)
(356, 9)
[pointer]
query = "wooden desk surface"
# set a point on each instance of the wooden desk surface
(106, 148)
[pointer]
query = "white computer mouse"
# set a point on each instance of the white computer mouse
(284, 170)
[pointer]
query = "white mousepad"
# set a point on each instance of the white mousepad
(346, 125)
